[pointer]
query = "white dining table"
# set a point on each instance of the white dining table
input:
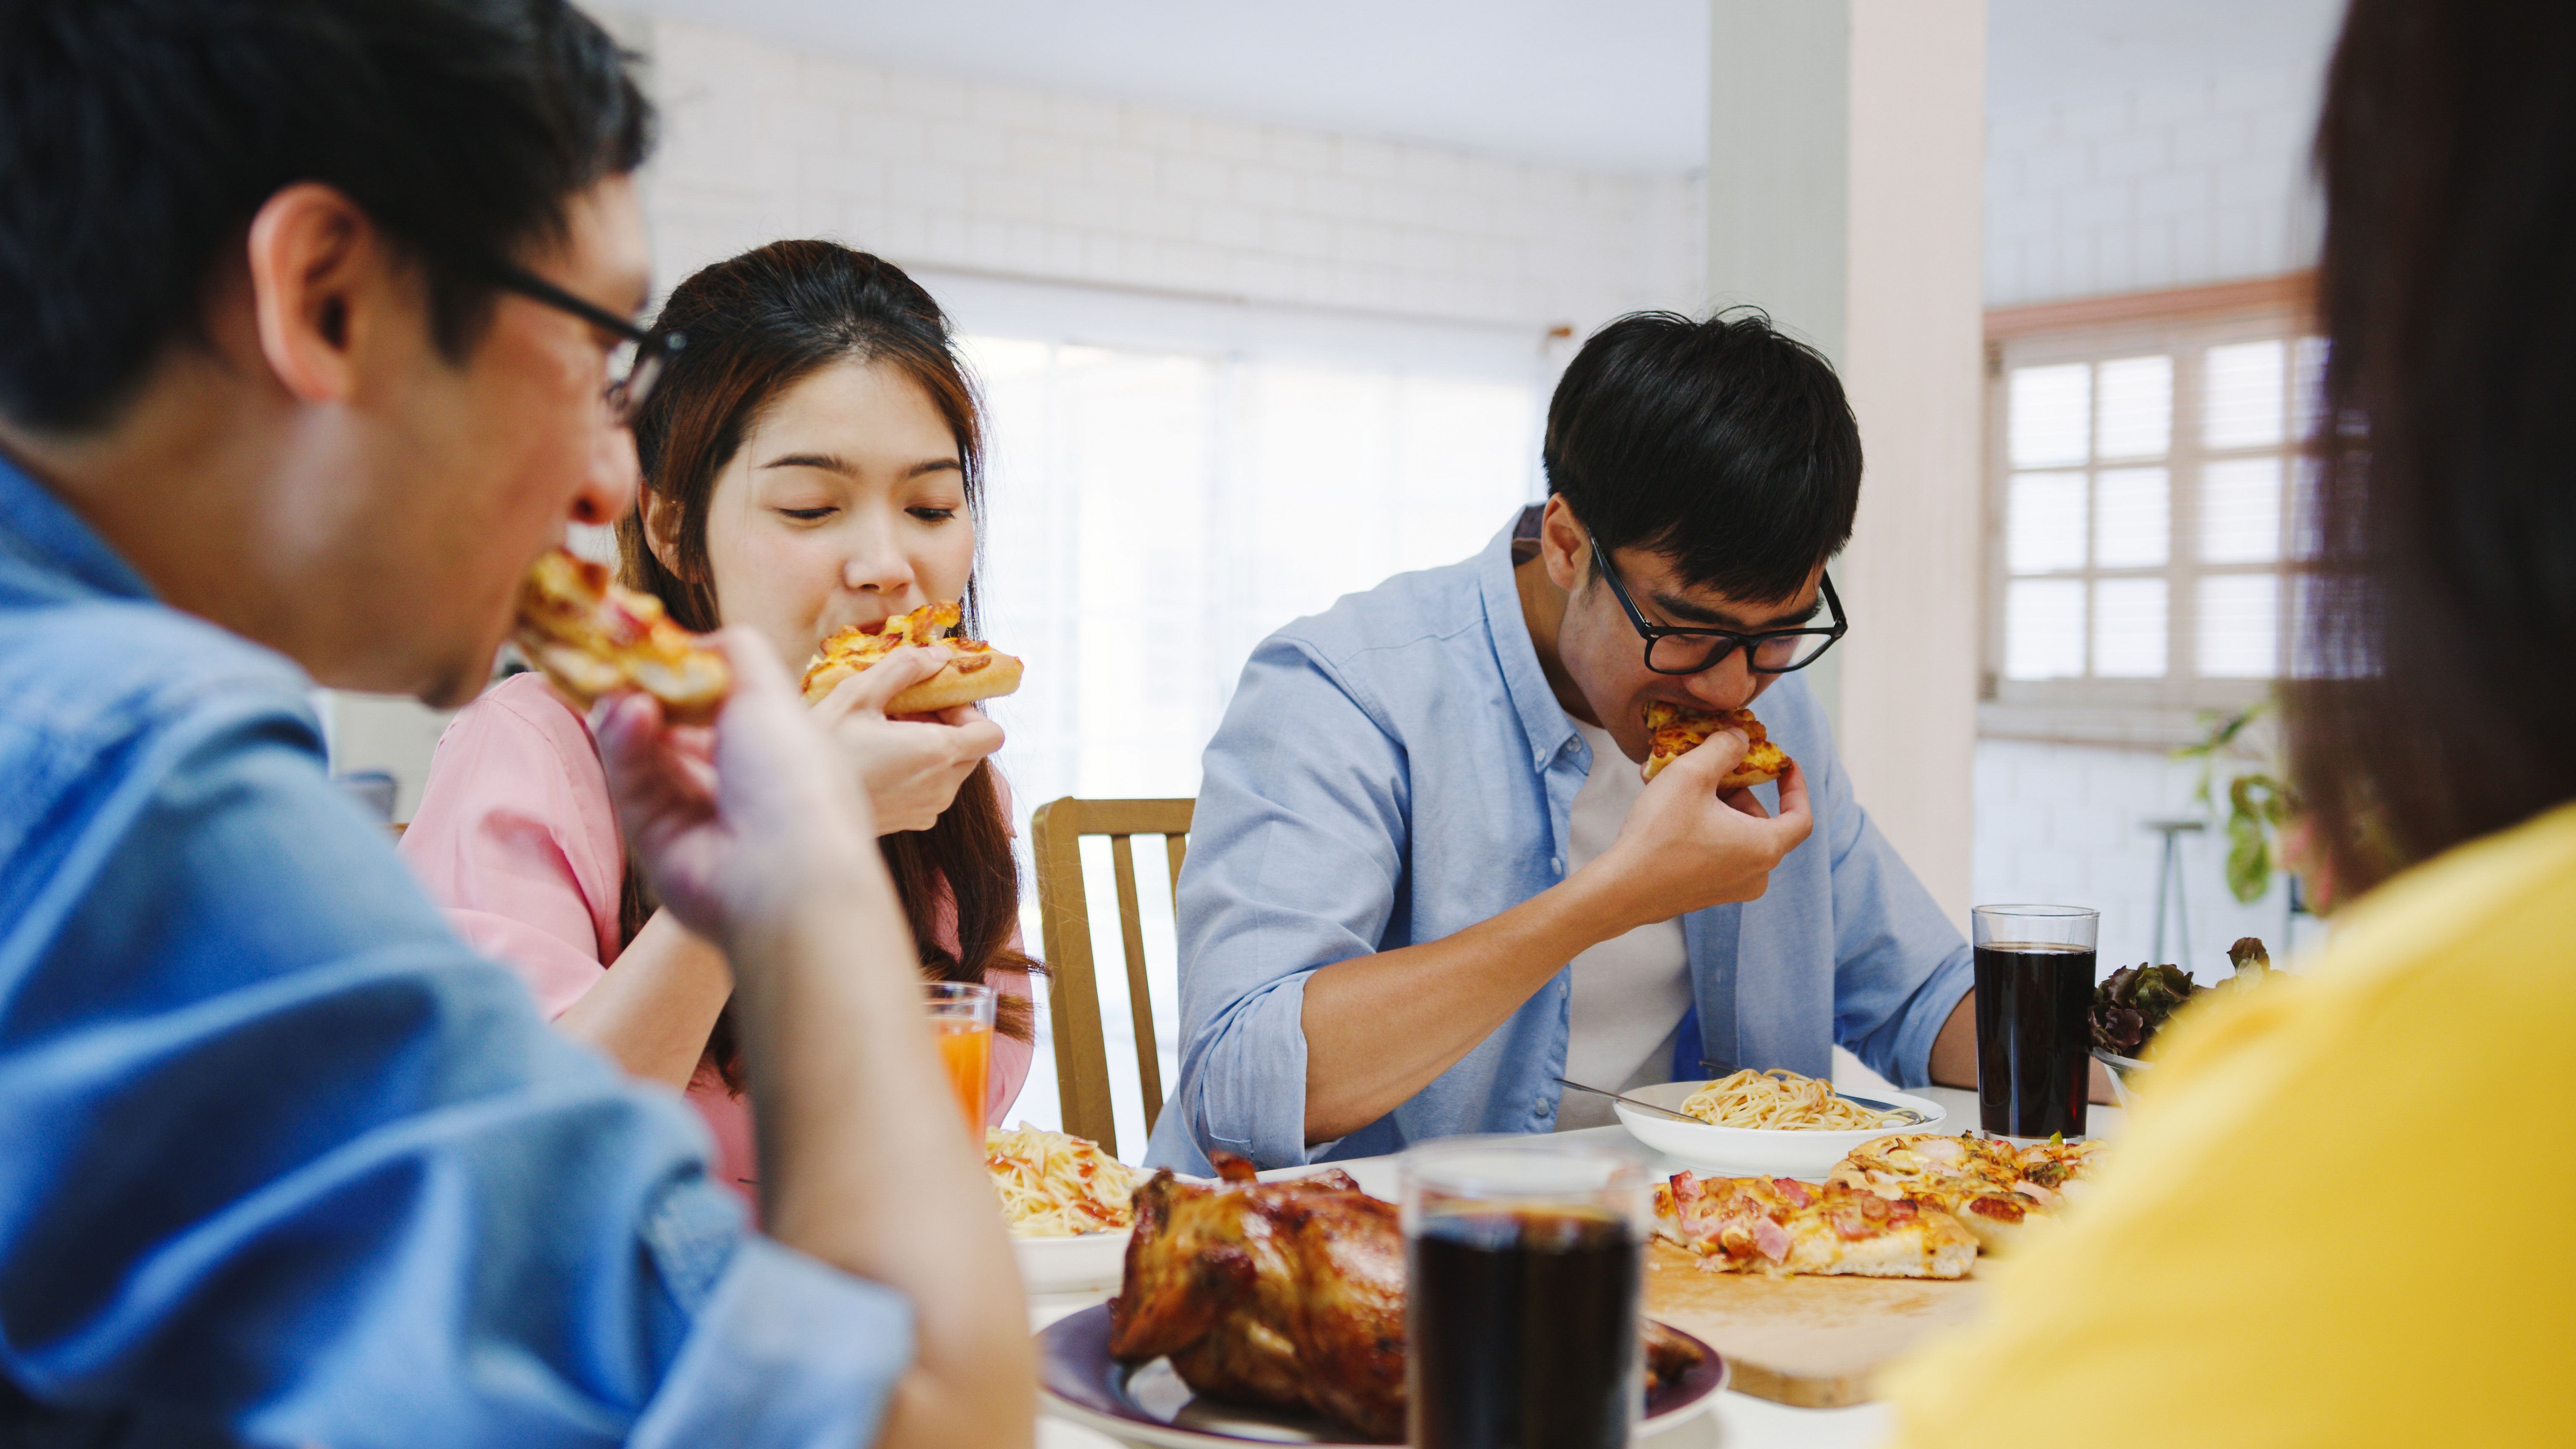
(1729, 1420)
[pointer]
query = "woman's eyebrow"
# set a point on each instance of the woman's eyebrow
(825, 461)
(833, 463)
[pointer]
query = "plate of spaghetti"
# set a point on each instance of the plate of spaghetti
(1067, 1205)
(1776, 1123)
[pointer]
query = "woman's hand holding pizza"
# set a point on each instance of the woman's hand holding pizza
(1687, 845)
(911, 767)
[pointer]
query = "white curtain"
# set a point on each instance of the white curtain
(1171, 482)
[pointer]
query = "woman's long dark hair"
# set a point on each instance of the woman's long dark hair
(2436, 697)
(756, 325)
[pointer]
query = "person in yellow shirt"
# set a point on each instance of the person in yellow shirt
(2345, 1210)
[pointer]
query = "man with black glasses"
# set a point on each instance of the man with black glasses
(1426, 802)
(316, 328)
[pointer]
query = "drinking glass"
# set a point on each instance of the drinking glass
(962, 1014)
(1524, 1277)
(2034, 993)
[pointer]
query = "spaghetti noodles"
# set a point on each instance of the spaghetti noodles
(1055, 1186)
(1780, 1101)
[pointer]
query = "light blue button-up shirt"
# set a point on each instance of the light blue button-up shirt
(1395, 770)
(283, 1162)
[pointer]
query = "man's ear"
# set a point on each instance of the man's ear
(320, 276)
(1563, 546)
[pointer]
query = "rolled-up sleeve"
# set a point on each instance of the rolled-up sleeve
(785, 1351)
(1297, 851)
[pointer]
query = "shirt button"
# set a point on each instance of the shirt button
(1556, 862)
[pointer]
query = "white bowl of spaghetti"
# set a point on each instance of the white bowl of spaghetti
(1775, 1124)
(1067, 1205)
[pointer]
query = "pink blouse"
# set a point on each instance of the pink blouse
(516, 837)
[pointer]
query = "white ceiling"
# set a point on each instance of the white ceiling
(1610, 84)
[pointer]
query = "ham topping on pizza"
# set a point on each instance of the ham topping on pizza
(1674, 732)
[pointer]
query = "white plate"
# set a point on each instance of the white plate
(1745, 1151)
(1060, 1265)
(1055, 1433)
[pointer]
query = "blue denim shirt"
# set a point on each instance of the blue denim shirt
(1395, 770)
(281, 1160)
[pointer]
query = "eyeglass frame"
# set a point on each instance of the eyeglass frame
(624, 396)
(1735, 640)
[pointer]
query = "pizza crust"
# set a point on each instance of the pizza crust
(975, 671)
(1932, 1246)
(951, 687)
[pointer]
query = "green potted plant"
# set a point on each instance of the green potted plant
(2258, 803)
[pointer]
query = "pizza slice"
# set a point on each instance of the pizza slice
(974, 670)
(1676, 732)
(1781, 1227)
(1993, 1188)
(592, 636)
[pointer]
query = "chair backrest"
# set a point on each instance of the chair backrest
(1073, 987)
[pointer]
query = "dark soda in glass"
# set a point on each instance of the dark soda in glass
(2033, 1065)
(1523, 1329)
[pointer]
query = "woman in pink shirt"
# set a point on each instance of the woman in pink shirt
(812, 459)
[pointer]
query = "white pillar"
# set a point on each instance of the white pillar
(1845, 191)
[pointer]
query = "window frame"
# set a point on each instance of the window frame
(2182, 325)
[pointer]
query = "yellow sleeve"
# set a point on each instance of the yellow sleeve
(2345, 1214)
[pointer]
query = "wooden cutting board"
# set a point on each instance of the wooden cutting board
(1813, 1343)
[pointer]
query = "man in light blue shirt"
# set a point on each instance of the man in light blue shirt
(1423, 804)
(307, 313)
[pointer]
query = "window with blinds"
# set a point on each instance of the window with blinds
(2145, 480)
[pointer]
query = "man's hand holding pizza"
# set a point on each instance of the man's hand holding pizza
(1687, 844)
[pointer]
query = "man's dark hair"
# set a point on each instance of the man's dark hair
(138, 138)
(1723, 445)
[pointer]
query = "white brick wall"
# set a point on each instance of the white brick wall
(2063, 825)
(2149, 189)
(764, 142)
(2133, 192)
(761, 141)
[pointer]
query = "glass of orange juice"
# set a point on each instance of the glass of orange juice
(962, 1014)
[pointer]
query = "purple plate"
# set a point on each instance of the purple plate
(1147, 1403)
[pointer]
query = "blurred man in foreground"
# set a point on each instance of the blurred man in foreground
(306, 322)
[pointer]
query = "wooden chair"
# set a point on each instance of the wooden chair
(1073, 988)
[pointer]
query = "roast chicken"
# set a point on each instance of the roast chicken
(1286, 1294)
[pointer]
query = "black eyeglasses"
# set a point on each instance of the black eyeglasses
(1688, 651)
(637, 362)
